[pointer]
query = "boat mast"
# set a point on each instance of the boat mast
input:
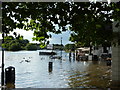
(61, 47)
(2, 73)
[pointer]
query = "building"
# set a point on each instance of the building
(55, 46)
(50, 46)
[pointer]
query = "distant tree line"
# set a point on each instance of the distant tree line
(58, 46)
(70, 47)
(17, 43)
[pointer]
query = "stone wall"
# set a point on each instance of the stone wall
(116, 66)
(116, 55)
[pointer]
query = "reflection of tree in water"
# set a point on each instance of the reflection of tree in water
(99, 75)
(96, 76)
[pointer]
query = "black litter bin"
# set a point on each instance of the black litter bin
(10, 75)
(108, 62)
(95, 57)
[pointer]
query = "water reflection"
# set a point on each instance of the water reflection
(50, 67)
(64, 73)
(97, 75)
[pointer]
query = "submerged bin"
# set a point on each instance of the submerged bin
(10, 76)
(95, 57)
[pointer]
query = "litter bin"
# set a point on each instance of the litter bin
(95, 57)
(10, 76)
(108, 62)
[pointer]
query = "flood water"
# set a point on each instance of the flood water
(65, 73)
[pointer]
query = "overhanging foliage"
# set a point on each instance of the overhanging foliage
(84, 19)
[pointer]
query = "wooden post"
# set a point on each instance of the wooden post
(73, 56)
(76, 56)
(61, 48)
(50, 66)
(70, 56)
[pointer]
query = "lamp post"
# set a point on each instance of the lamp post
(1, 31)
(61, 47)
(2, 73)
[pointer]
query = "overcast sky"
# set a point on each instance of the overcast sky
(56, 39)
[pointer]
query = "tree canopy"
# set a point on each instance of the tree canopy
(14, 43)
(86, 20)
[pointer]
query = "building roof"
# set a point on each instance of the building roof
(84, 49)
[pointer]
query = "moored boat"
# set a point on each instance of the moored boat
(55, 57)
(47, 53)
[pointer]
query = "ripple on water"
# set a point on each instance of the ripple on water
(64, 74)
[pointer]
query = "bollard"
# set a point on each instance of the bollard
(70, 56)
(73, 56)
(50, 66)
(95, 57)
(10, 77)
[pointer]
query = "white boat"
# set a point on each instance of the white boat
(83, 53)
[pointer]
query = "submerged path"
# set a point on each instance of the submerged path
(65, 73)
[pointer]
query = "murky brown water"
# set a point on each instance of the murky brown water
(97, 75)
(65, 73)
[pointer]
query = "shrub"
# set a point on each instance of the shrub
(15, 47)
(30, 46)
